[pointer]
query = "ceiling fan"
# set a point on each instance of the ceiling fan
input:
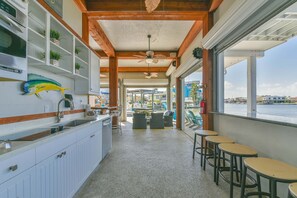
(149, 74)
(149, 56)
(151, 5)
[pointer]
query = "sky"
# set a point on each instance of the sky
(276, 73)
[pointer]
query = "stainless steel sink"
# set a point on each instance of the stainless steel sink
(75, 123)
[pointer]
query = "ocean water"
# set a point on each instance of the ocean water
(277, 112)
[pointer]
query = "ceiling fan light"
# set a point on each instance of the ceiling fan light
(149, 60)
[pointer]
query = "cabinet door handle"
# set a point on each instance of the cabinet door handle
(60, 155)
(92, 136)
(13, 168)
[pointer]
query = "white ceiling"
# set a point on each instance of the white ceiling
(132, 35)
(135, 63)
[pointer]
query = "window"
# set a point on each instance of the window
(259, 72)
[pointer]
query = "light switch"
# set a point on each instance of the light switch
(46, 108)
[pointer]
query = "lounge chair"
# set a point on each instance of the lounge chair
(197, 120)
(139, 121)
(157, 121)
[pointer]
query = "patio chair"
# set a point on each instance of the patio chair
(157, 121)
(139, 121)
(197, 120)
(168, 118)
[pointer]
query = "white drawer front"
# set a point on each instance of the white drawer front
(87, 130)
(17, 164)
(46, 150)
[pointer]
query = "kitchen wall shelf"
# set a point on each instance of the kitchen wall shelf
(72, 50)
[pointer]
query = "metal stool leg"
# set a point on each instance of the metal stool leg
(201, 150)
(243, 182)
(215, 163)
(219, 165)
(236, 169)
(194, 147)
(259, 185)
(231, 175)
(204, 160)
(273, 190)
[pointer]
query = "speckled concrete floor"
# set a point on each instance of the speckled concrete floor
(152, 163)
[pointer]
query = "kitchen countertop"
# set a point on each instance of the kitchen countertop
(21, 146)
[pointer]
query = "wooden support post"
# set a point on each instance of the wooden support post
(85, 28)
(208, 76)
(178, 98)
(113, 84)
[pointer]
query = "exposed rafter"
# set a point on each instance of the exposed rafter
(143, 15)
(99, 36)
(196, 28)
(81, 4)
(214, 5)
(135, 69)
(132, 5)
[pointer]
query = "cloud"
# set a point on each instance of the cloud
(277, 89)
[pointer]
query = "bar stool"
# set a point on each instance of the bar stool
(216, 140)
(273, 170)
(292, 190)
(202, 134)
(235, 151)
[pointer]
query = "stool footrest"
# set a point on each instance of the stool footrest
(227, 169)
(249, 194)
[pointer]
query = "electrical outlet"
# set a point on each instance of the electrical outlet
(46, 108)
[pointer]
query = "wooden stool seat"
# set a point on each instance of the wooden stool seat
(206, 133)
(293, 189)
(237, 149)
(271, 168)
(219, 139)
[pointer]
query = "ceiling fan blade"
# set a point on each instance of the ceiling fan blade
(154, 75)
(155, 61)
(142, 53)
(139, 56)
(103, 76)
(160, 56)
(148, 77)
(145, 73)
(140, 61)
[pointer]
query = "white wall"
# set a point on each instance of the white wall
(13, 103)
(72, 15)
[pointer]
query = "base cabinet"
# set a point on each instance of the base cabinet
(56, 175)
(21, 186)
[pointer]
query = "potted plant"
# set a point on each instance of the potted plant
(55, 37)
(77, 51)
(54, 58)
(77, 68)
(197, 52)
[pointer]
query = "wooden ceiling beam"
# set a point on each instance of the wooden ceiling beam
(214, 4)
(130, 54)
(194, 31)
(143, 15)
(99, 36)
(132, 5)
(81, 4)
(135, 69)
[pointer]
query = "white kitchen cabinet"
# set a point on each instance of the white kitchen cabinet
(89, 153)
(56, 176)
(92, 86)
(20, 186)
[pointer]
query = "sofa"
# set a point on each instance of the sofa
(157, 121)
(139, 121)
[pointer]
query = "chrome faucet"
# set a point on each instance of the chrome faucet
(60, 114)
(5, 144)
